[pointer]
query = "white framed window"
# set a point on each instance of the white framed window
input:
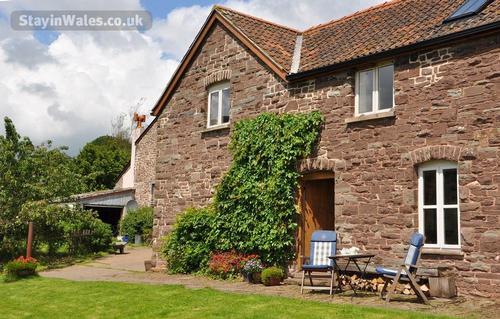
(438, 204)
(218, 105)
(375, 89)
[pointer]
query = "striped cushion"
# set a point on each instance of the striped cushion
(412, 255)
(322, 250)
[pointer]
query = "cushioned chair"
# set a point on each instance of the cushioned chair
(406, 272)
(323, 245)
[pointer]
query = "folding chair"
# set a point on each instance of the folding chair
(406, 272)
(323, 245)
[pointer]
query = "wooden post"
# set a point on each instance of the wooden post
(30, 240)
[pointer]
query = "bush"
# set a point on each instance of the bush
(55, 226)
(187, 247)
(138, 222)
(228, 264)
(20, 267)
(272, 276)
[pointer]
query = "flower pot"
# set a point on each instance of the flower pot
(256, 278)
(247, 278)
(25, 272)
(273, 281)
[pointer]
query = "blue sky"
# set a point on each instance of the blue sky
(160, 8)
(70, 86)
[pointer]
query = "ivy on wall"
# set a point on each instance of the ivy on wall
(254, 207)
(255, 202)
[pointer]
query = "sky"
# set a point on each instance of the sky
(70, 86)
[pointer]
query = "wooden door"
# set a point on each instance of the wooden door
(316, 198)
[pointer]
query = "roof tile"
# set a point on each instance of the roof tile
(388, 26)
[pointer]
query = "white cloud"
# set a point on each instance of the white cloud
(70, 90)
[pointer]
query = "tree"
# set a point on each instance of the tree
(31, 173)
(102, 160)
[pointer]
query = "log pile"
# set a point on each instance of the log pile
(376, 285)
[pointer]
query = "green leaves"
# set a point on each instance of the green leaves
(187, 247)
(101, 161)
(254, 208)
(30, 173)
(138, 222)
(254, 204)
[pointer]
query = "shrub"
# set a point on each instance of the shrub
(87, 234)
(227, 264)
(80, 230)
(187, 247)
(272, 276)
(20, 267)
(138, 222)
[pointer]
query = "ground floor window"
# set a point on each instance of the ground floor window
(439, 215)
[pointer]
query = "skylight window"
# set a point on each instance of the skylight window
(470, 7)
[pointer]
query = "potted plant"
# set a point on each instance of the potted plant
(20, 267)
(272, 276)
(252, 269)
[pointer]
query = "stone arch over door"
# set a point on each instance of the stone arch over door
(312, 165)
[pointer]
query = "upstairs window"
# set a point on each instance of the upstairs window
(439, 216)
(218, 105)
(375, 89)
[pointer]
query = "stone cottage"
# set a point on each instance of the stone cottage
(411, 142)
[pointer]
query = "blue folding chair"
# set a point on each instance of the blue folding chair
(406, 272)
(323, 245)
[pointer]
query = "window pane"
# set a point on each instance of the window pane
(450, 186)
(430, 226)
(385, 87)
(214, 108)
(365, 91)
(225, 106)
(450, 226)
(429, 187)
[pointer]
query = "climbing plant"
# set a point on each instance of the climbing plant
(254, 207)
(255, 201)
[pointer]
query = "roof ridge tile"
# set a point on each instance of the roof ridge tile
(218, 7)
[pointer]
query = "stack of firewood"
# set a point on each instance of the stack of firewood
(376, 285)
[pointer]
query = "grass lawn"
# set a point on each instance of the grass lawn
(54, 298)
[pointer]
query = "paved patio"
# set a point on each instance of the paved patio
(129, 267)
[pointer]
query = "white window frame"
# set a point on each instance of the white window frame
(437, 166)
(375, 101)
(218, 88)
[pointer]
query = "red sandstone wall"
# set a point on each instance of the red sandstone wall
(447, 107)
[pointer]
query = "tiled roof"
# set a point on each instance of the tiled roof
(381, 28)
(275, 40)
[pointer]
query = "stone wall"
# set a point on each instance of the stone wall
(145, 166)
(447, 107)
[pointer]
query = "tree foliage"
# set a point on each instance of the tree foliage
(102, 160)
(31, 173)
